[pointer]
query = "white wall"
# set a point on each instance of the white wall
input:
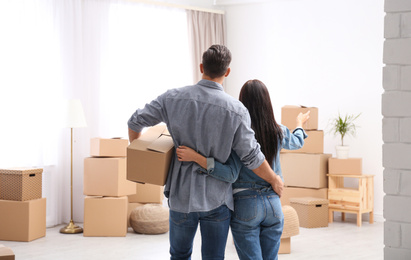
(321, 53)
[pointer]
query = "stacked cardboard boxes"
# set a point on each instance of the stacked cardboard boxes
(106, 188)
(304, 170)
(22, 208)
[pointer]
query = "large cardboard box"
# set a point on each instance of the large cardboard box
(149, 156)
(350, 166)
(6, 253)
(105, 216)
(297, 192)
(20, 184)
(289, 115)
(147, 193)
(312, 212)
(107, 177)
(131, 207)
(22, 220)
(106, 147)
(314, 143)
(305, 170)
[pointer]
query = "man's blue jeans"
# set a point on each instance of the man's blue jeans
(214, 227)
(257, 224)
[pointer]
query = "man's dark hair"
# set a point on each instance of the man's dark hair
(216, 61)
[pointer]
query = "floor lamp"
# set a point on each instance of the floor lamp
(74, 119)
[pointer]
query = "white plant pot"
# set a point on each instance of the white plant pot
(342, 151)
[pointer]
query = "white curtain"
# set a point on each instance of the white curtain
(113, 55)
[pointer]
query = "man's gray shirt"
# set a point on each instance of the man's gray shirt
(210, 121)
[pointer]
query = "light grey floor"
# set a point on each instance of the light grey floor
(340, 240)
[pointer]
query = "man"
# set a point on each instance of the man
(207, 119)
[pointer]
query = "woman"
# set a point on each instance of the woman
(257, 221)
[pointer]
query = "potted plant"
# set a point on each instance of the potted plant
(343, 126)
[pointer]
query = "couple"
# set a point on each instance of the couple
(218, 126)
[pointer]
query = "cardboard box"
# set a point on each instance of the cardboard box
(312, 212)
(107, 177)
(103, 147)
(147, 193)
(305, 170)
(285, 246)
(6, 253)
(289, 115)
(131, 207)
(297, 192)
(22, 220)
(20, 184)
(314, 143)
(350, 166)
(149, 156)
(105, 216)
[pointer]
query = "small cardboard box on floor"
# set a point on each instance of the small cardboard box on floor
(105, 216)
(305, 170)
(22, 220)
(106, 147)
(107, 177)
(314, 143)
(149, 156)
(289, 115)
(312, 212)
(349, 166)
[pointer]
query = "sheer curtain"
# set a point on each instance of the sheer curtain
(113, 55)
(205, 29)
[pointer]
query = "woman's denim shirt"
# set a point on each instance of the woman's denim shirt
(235, 172)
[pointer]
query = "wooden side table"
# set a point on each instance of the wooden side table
(351, 200)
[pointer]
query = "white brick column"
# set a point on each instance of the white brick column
(396, 127)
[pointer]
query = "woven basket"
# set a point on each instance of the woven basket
(20, 184)
(291, 222)
(150, 219)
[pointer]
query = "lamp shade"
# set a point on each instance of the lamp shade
(74, 114)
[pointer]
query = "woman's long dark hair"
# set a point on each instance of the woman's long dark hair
(255, 97)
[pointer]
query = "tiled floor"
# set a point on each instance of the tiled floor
(340, 240)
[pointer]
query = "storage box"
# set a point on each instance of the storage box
(314, 143)
(22, 220)
(147, 193)
(305, 170)
(312, 212)
(6, 253)
(103, 147)
(105, 216)
(289, 115)
(350, 166)
(107, 177)
(297, 192)
(285, 246)
(20, 184)
(131, 207)
(149, 156)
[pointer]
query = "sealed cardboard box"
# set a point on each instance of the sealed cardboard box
(147, 193)
(22, 220)
(297, 192)
(20, 184)
(106, 147)
(105, 216)
(314, 143)
(350, 166)
(305, 170)
(149, 156)
(6, 253)
(312, 212)
(289, 115)
(131, 207)
(107, 177)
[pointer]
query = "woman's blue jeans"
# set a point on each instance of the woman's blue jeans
(257, 224)
(214, 227)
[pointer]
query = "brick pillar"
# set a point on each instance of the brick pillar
(396, 127)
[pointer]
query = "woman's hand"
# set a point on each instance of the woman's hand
(302, 118)
(186, 154)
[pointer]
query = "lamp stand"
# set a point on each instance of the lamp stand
(71, 228)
